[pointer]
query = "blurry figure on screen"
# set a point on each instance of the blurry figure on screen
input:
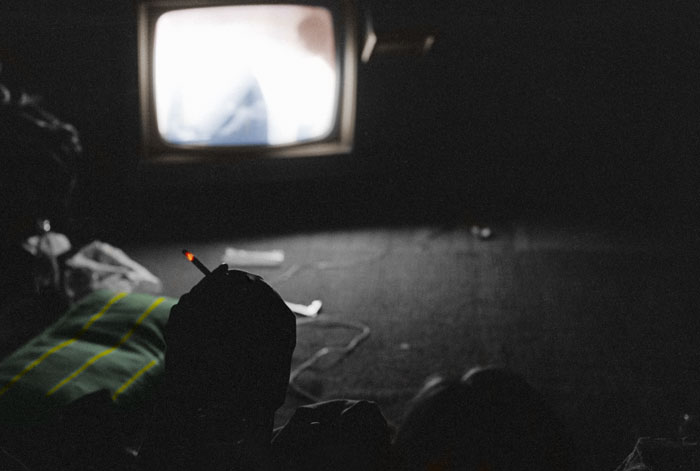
(245, 75)
(316, 34)
(238, 118)
(300, 85)
(244, 116)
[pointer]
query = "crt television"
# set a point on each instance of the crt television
(222, 80)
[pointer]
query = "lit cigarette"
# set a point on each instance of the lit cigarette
(190, 256)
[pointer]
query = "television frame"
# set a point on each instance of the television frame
(156, 150)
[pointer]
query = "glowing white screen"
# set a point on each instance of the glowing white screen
(245, 75)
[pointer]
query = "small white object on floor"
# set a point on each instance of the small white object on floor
(483, 233)
(252, 258)
(311, 310)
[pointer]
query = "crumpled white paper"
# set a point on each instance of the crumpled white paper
(99, 265)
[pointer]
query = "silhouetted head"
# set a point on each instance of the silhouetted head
(490, 419)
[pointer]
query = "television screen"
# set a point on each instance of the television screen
(223, 79)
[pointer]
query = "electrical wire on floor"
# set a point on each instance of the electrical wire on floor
(344, 351)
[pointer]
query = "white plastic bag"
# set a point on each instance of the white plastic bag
(99, 265)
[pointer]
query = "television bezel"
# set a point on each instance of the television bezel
(156, 150)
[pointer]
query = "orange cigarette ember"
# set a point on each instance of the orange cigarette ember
(190, 256)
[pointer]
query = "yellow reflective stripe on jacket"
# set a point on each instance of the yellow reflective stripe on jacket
(107, 351)
(123, 387)
(61, 345)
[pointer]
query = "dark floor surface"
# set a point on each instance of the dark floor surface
(592, 296)
(603, 320)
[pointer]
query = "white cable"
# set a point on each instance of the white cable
(364, 332)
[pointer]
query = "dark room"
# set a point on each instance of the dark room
(349, 235)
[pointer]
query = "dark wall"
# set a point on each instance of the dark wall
(79, 57)
(595, 101)
(543, 103)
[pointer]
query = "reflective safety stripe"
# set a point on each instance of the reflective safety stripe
(61, 345)
(123, 387)
(107, 351)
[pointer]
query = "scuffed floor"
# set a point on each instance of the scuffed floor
(604, 322)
